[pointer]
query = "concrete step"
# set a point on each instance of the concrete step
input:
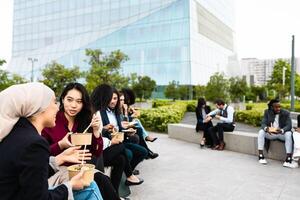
(294, 115)
(237, 141)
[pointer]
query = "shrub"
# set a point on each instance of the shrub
(249, 107)
(157, 119)
(252, 117)
(287, 106)
(191, 106)
(159, 103)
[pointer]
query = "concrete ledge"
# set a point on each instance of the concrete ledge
(238, 141)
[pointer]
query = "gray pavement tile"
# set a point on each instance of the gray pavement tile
(183, 171)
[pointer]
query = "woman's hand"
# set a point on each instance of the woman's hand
(207, 119)
(135, 113)
(77, 182)
(65, 143)
(114, 140)
(73, 155)
(97, 125)
(108, 127)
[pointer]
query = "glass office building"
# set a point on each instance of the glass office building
(181, 40)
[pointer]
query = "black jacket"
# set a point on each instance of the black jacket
(285, 121)
(199, 125)
(24, 163)
(105, 121)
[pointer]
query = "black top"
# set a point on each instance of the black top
(106, 121)
(199, 113)
(200, 125)
(24, 163)
(285, 121)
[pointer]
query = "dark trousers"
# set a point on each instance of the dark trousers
(142, 141)
(106, 188)
(205, 128)
(139, 153)
(116, 157)
(220, 128)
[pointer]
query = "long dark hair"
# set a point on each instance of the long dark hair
(129, 96)
(101, 97)
(84, 117)
(201, 102)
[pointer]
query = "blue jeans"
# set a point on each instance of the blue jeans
(89, 193)
(139, 125)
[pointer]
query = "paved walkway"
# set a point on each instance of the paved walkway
(183, 171)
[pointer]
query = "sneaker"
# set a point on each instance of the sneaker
(296, 154)
(290, 163)
(294, 164)
(262, 160)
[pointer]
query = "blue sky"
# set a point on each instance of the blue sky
(263, 28)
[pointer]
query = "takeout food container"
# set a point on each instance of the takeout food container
(272, 130)
(88, 174)
(119, 136)
(81, 138)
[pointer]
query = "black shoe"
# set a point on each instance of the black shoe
(151, 140)
(129, 183)
(136, 172)
(152, 155)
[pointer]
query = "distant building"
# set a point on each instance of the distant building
(182, 40)
(259, 71)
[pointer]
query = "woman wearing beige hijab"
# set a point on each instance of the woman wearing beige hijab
(25, 110)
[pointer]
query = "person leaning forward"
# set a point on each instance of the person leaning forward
(225, 114)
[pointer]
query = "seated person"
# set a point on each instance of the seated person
(25, 110)
(201, 111)
(75, 115)
(276, 125)
(137, 125)
(225, 114)
(296, 138)
(130, 113)
(105, 99)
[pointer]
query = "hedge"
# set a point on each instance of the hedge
(287, 106)
(159, 103)
(157, 119)
(252, 117)
(191, 106)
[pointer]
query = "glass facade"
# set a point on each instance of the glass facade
(164, 39)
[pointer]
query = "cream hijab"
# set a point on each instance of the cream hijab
(23, 100)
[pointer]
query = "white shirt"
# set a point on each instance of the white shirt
(276, 121)
(230, 112)
(112, 118)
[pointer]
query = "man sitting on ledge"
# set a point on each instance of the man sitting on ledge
(276, 125)
(224, 113)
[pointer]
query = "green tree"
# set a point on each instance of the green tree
(57, 76)
(217, 88)
(260, 92)
(171, 91)
(199, 91)
(143, 87)
(105, 69)
(237, 88)
(2, 62)
(183, 91)
(7, 79)
(276, 78)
